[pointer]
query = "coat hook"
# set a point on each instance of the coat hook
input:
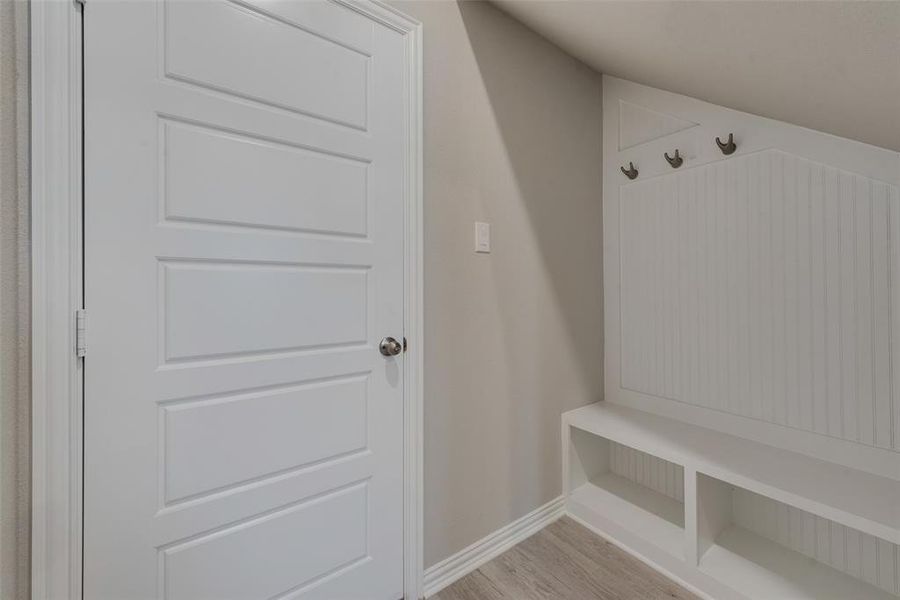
(728, 148)
(631, 173)
(676, 161)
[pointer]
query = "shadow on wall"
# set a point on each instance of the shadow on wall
(547, 108)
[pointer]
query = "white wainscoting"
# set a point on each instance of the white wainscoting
(762, 286)
(756, 293)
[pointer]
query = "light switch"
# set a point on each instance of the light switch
(482, 237)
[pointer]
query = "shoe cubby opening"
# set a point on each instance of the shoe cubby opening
(630, 488)
(765, 548)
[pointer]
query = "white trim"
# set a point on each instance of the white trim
(414, 293)
(414, 384)
(853, 455)
(57, 276)
(56, 293)
(468, 559)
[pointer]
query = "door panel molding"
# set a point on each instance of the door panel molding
(57, 266)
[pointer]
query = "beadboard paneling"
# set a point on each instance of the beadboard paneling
(857, 554)
(647, 470)
(766, 286)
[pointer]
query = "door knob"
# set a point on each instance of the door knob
(390, 347)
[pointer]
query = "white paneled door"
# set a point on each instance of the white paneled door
(243, 259)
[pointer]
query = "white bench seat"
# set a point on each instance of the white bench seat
(636, 502)
(860, 500)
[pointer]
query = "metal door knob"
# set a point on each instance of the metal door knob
(390, 347)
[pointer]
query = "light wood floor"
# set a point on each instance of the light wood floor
(564, 561)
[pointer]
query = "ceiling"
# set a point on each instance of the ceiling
(831, 66)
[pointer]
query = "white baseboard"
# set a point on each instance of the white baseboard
(467, 560)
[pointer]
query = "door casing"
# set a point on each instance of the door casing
(57, 271)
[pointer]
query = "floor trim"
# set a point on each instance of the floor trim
(468, 559)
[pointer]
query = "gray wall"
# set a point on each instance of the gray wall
(830, 66)
(14, 304)
(513, 338)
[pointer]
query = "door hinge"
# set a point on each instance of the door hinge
(80, 332)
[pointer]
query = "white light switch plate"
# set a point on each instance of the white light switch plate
(482, 237)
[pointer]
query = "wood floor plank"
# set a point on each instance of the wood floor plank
(631, 577)
(474, 586)
(626, 576)
(564, 561)
(581, 578)
(520, 578)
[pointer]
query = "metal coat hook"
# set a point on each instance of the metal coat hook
(729, 147)
(674, 162)
(631, 173)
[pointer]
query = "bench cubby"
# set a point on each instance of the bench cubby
(770, 549)
(730, 517)
(631, 488)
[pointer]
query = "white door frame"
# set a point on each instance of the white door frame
(56, 200)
